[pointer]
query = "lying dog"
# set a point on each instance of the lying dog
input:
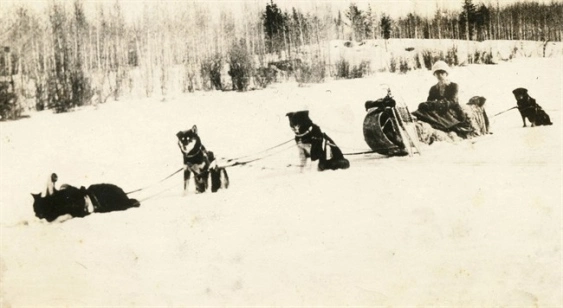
(200, 162)
(530, 109)
(314, 144)
(80, 202)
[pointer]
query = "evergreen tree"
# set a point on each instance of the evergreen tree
(467, 19)
(339, 25)
(370, 23)
(482, 21)
(274, 27)
(357, 22)
(385, 26)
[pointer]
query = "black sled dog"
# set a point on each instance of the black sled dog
(200, 162)
(314, 144)
(529, 109)
(80, 202)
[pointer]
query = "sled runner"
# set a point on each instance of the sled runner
(388, 129)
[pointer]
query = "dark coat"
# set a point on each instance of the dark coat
(443, 112)
(450, 93)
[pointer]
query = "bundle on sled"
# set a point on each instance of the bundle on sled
(450, 121)
(389, 129)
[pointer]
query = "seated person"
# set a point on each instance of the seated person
(442, 109)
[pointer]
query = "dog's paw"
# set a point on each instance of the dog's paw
(63, 218)
(213, 164)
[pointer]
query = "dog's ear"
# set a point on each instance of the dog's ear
(179, 134)
(194, 129)
(520, 91)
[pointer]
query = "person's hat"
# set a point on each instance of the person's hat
(440, 66)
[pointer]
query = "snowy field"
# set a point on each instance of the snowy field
(477, 223)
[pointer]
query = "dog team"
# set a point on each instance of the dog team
(441, 108)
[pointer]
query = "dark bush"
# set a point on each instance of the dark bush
(483, 57)
(241, 67)
(513, 53)
(487, 57)
(403, 66)
(342, 69)
(418, 64)
(359, 71)
(430, 57)
(210, 72)
(68, 90)
(40, 95)
(392, 65)
(67, 85)
(265, 76)
(452, 57)
(9, 107)
(311, 73)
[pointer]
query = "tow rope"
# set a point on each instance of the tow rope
(504, 111)
(359, 153)
(166, 178)
(242, 163)
(236, 163)
(266, 150)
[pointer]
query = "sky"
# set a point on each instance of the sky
(395, 8)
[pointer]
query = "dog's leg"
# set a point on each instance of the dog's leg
(187, 175)
(201, 182)
(535, 117)
(302, 157)
(215, 179)
(198, 183)
(524, 120)
(205, 181)
(322, 165)
(224, 178)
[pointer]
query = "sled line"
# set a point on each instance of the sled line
(263, 151)
(156, 194)
(242, 163)
(507, 110)
(166, 178)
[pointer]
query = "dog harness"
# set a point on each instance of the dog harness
(305, 133)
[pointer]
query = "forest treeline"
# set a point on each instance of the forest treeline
(61, 57)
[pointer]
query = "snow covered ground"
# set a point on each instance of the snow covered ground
(475, 223)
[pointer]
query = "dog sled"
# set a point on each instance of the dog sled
(436, 123)
(390, 129)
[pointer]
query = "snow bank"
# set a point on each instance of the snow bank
(476, 223)
(380, 52)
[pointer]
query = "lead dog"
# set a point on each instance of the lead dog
(530, 109)
(80, 202)
(314, 144)
(200, 162)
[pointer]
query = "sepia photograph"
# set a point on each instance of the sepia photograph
(281, 153)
